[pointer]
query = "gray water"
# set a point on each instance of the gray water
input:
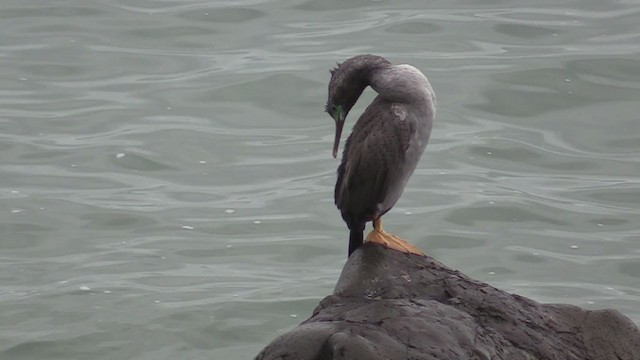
(166, 175)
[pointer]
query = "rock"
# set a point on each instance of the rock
(394, 306)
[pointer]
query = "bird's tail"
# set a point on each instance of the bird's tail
(356, 236)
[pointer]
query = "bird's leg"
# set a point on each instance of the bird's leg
(379, 236)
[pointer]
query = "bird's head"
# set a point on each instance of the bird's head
(348, 81)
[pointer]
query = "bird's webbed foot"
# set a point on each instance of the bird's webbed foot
(390, 241)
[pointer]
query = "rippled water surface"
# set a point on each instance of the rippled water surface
(166, 174)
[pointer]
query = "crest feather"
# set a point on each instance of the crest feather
(335, 68)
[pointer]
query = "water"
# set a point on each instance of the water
(166, 174)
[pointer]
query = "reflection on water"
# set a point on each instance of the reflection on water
(167, 178)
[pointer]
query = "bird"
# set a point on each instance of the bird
(385, 145)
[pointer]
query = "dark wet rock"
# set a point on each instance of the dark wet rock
(393, 306)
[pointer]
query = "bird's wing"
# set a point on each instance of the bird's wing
(373, 159)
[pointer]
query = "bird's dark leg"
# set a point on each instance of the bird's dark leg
(356, 236)
(378, 235)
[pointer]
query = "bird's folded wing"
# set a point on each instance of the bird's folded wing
(373, 159)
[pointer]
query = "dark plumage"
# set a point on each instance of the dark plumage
(387, 140)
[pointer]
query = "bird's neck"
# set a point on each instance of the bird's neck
(403, 83)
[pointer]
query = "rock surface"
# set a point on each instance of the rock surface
(393, 306)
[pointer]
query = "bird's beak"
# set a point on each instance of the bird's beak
(339, 119)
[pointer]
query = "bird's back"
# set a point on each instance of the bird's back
(379, 157)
